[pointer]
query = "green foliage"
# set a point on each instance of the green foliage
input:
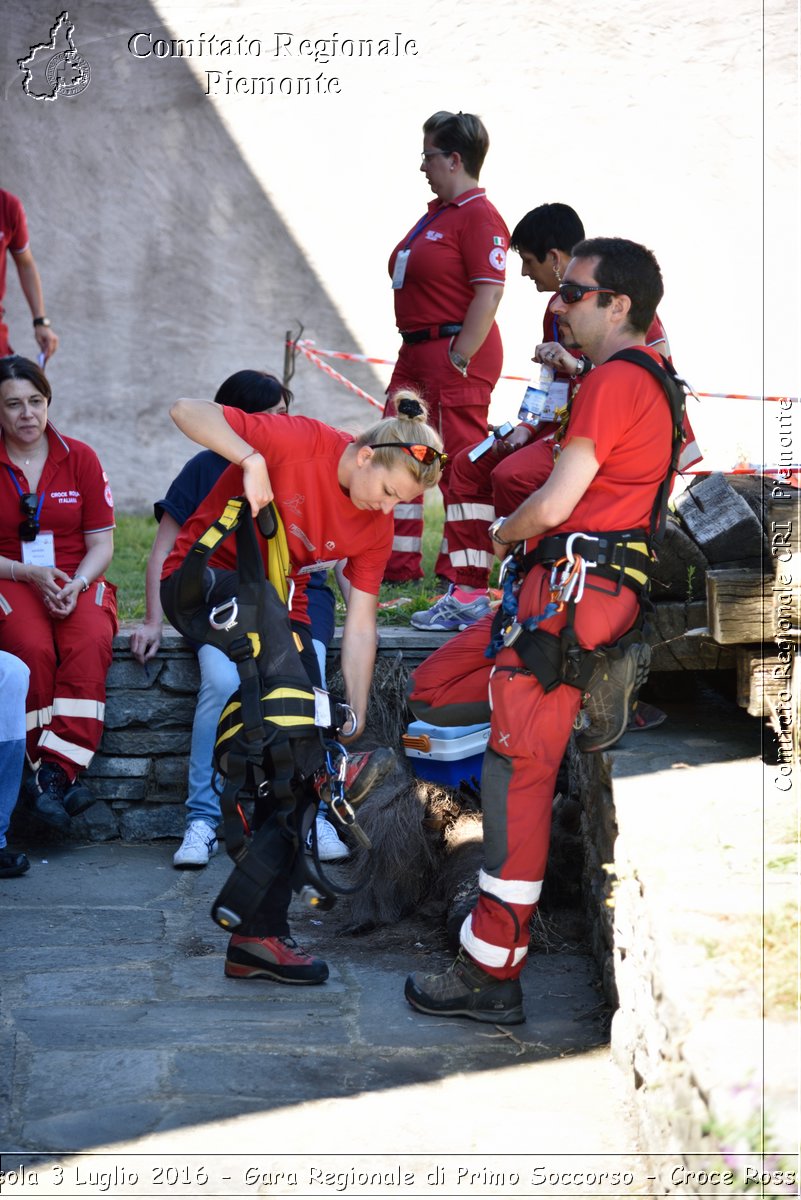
(132, 541)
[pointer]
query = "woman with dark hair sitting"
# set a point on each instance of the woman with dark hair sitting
(57, 611)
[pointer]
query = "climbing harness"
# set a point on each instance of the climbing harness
(276, 727)
(623, 556)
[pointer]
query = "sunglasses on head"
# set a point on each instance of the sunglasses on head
(423, 454)
(571, 293)
(29, 528)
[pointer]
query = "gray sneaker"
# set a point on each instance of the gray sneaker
(608, 707)
(465, 990)
(449, 613)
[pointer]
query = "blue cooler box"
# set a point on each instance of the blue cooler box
(445, 755)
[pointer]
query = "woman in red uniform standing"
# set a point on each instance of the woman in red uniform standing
(447, 275)
(57, 612)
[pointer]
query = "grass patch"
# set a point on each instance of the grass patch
(135, 533)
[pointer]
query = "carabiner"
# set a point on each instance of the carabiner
(586, 537)
(219, 609)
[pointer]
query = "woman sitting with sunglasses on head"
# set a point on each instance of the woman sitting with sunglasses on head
(335, 496)
(57, 612)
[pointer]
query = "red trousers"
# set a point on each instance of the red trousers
(492, 486)
(457, 409)
(529, 732)
(68, 660)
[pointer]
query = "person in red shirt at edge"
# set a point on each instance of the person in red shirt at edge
(335, 496)
(14, 239)
(615, 455)
(448, 274)
(501, 479)
(57, 611)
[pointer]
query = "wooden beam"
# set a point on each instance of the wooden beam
(739, 606)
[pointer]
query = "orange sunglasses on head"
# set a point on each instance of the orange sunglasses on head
(423, 454)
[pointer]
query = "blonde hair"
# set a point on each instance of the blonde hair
(408, 425)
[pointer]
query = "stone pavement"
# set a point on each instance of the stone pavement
(119, 1032)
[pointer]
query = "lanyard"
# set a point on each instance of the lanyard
(15, 481)
(423, 223)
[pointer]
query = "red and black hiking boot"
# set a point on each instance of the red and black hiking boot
(365, 770)
(278, 958)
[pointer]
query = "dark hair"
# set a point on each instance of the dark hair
(549, 227)
(252, 392)
(629, 269)
(14, 366)
(461, 133)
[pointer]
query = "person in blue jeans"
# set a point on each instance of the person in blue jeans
(252, 392)
(14, 676)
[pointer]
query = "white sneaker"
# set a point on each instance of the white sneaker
(329, 847)
(199, 844)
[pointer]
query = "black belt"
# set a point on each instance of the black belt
(413, 336)
(622, 556)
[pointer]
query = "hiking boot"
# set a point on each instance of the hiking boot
(645, 716)
(329, 847)
(45, 791)
(198, 846)
(277, 958)
(77, 798)
(365, 770)
(465, 990)
(608, 705)
(450, 613)
(12, 864)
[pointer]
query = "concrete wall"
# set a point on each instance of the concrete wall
(180, 234)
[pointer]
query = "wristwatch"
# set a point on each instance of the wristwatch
(458, 360)
(584, 367)
(44, 321)
(496, 525)
(84, 582)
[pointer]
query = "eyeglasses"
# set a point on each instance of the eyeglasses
(424, 157)
(29, 528)
(422, 454)
(571, 293)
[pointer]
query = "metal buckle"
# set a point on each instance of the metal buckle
(512, 633)
(219, 609)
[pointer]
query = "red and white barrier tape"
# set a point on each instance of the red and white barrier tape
(315, 355)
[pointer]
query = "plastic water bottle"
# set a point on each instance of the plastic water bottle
(536, 395)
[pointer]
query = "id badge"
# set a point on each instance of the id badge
(399, 272)
(41, 552)
(557, 399)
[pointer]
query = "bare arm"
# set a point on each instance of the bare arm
(146, 638)
(553, 503)
(478, 319)
(358, 654)
(204, 422)
(31, 285)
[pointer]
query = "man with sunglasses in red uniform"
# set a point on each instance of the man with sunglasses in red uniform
(495, 483)
(615, 456)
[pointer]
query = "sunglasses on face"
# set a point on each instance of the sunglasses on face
(571, 293)
(423, 454)
(29, 528)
